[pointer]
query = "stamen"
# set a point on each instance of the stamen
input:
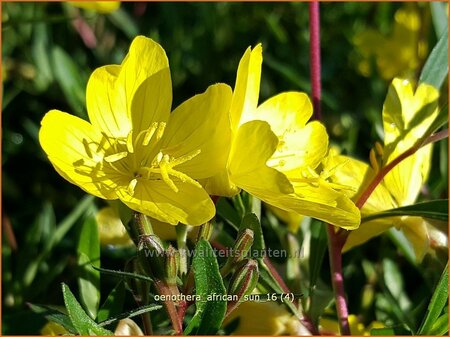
(184, 178)
(87, 148)
(185, 158)
(164, 170)
(115, 157)
(149, 134)
(131, 186)
(374, 161)
(160, 131)
(130, 142)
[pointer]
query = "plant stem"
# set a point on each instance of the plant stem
(386, 169)
(314, 54)
(334, 244)
(335, 252)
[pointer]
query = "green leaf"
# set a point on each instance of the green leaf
(124, 274)
(89, 278)
(394, 331)
(436, 67)
(113, 304)
(209, 314)
(440, 326)
(124, 22)
(439, 16)
(251, 221)
(228, 213)
(438, 301)
(435, 209)
(318, 247)
(53, 315)
(80, 320)
(131, 313)
(70, 80)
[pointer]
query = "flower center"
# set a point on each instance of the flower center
(136, 157)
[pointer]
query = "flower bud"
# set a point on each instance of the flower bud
(151, 256)
(241, 246)
(172, 260)
(243, 281)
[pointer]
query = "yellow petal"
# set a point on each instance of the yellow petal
(201, 125)
(191, 205)
(111, 230)
(319, 202)
(168, 232)
(98, 6)
(152, 101)
(69, 143)
(263, 319)
(220, 184)
(292, 219)
(367, 231)
(253, 146)
(415, 230)
(111, 89)
(246, 89)
(407, 115)
(300, 144)
(53, 329)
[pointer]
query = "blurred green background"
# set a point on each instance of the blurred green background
(48, 52)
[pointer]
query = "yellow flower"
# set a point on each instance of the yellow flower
(292, 219)
(53, 329)
(331, 327)
(104, 7)
(406, 117)
(265, 319)
(134, 149)
(275, 153)
(111, 231)
(397, 55)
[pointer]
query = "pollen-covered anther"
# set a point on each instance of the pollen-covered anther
(149, 133)
(131, 186)
(116, 157)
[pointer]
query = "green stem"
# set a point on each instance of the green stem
(181, 231)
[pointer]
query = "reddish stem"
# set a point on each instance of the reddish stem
(334, 243)
(314, 54)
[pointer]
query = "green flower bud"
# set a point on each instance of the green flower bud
(151, 256)
(172, 264)
(243, 281)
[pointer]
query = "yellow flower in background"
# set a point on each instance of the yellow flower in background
(134, 149)
(53, 329)
(111, 230)
(292, 219)
(406, 117)
(399, 54)
(331, 327)
(275, 153)
(104, 7)
(265, 319)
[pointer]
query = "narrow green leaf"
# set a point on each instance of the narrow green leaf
(124, 22)
(80, 320)
(435, 209)
(437, 303)
(394, 331)
(440, 326)
(113, 304)
(124, 274)
(228, 213)
(53, 315)
(436, 67)
(209, 313)
(70, 79)
(89, 254)
(131, 313)
(318, 249)
(439, 16)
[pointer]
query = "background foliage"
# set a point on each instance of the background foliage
(46, 64)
